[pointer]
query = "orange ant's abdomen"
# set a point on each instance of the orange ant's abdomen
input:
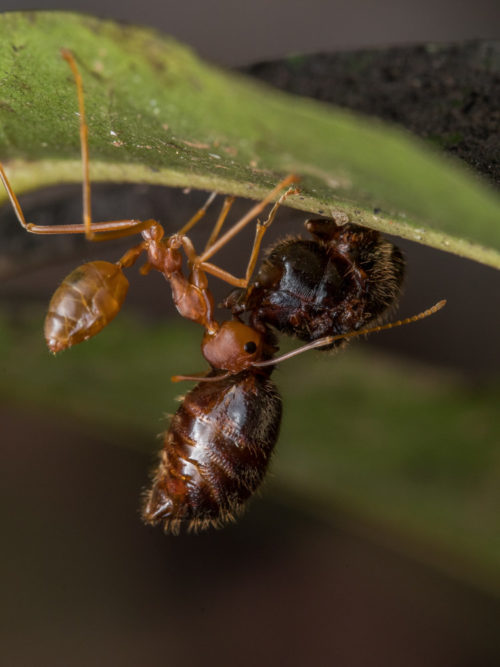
(216, 452)
(84, 303)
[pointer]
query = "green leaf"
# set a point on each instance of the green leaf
(159, 115)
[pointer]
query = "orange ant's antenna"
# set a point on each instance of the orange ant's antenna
(321, 342)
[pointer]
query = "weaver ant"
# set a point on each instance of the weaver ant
(220, 440)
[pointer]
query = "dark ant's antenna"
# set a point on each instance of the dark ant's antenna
(321, 342)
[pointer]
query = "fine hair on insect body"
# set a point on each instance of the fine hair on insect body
(323, 290)
(340, 280)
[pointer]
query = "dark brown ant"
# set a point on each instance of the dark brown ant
(219, 442)
(339, 281)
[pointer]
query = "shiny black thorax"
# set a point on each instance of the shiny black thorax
(340, 280)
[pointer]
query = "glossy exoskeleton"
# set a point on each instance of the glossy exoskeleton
(337, 282)
(216, 451)
(219, 443)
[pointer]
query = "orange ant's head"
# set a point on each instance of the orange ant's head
(234, 347)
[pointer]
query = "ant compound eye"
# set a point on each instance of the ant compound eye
(250, 347)
(234, 347)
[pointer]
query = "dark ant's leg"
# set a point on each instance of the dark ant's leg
(340, 240)
(262, 227)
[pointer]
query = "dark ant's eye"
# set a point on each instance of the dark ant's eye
(250, 347)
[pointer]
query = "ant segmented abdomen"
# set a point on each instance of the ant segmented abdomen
(216, 452)
(84, 303)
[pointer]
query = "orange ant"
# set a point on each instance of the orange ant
(219, 442)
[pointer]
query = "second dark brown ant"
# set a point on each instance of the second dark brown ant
(342, 279)
(219, 442)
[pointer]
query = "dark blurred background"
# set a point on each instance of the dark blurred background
(293, 583)
(235, 33)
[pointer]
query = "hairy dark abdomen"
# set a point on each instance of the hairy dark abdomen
(344, 278)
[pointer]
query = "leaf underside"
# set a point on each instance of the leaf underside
(159, 115)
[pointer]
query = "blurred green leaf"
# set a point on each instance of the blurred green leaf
(396, 443)
(157, 114)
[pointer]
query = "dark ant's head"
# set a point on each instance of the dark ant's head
(233, 347)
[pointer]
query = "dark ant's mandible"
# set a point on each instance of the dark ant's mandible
(219, 442)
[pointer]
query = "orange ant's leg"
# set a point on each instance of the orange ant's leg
(252, 213)
(112, 230)
(262, 227)
(226, 207)
(87, 216)
(104, 230)
(28, 226)
(107, 230)
(132, 255)
(198, 215)
(261, 230)
(191, 255)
